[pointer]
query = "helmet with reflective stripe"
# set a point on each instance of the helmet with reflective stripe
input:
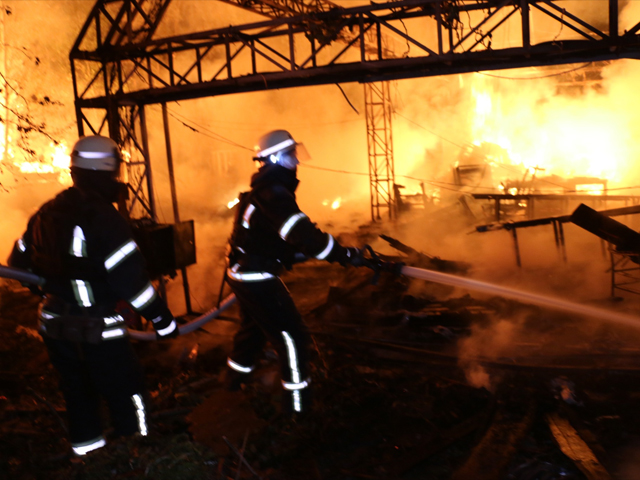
(279, 147)
(96, 152)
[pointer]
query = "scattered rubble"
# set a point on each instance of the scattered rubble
(399, 394)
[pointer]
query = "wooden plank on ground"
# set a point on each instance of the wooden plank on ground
(435, 442)
(490, 458)
(575, 448)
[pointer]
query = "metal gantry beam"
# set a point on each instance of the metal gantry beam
(441, 37)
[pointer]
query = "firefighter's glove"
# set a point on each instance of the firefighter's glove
(171, 331)
(355, 257)
(300, 257)
(35, 289)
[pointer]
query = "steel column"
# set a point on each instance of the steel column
(147, 162)
(174, 199)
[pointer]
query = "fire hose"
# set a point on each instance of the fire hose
(378, 265)
(530, 298)
(26, 277)
(23, 276)
(193, 324)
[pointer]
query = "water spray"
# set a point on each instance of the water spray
(553, 303)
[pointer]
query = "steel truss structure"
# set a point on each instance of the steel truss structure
(118, 66)
(380, 146)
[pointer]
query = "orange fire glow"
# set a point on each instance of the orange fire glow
(58, 162)
(334, 205)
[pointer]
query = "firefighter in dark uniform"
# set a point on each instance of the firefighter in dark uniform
(269, 231)
(84, 249)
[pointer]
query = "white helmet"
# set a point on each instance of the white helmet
(96, 152)
(279, 147)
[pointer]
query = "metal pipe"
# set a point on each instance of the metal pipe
(174, 199)
(152, 202)
(613, 19)
(192, 325)
(514, 234)
(147, 162)
(522, 296)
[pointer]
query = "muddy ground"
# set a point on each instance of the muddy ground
(399, 394)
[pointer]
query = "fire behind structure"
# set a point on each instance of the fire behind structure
(119, 66)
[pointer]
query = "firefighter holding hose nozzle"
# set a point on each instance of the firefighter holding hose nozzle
(269, 232)
(84, 250)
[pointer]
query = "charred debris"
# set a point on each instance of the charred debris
(409, 383)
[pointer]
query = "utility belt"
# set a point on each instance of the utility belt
(61, 321)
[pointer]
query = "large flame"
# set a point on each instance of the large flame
(563, 136)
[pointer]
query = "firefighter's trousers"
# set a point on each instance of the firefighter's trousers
(89, 372)
(269, 313)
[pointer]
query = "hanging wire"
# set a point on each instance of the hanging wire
(347, 99)
(538, 77)
(182, 119)
(430, 131)
(435, 183)
(454, 187)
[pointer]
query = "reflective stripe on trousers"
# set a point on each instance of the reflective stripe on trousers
(85, 447)
(239, 368)
(296, 384)
(141, 414)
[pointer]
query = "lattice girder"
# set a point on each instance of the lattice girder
(303, 50)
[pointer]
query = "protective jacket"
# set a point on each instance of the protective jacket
(270, 230)
(85, 250)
